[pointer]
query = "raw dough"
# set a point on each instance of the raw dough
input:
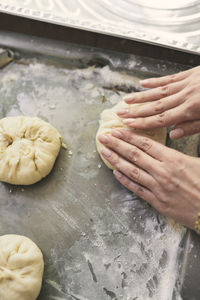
(21, 268)
(110, 120)
(28, 149)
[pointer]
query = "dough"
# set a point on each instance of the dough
(21, 268)
(28, 149)
(110, 120)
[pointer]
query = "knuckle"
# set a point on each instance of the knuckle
(159, 106)
(179, 160)
(171, 187)
(164, 91)
(161, 118)
(188, 91)
(115, 143)
(191, 108)
(174, 157)
(134, 174)
(172, 78)
(142, 96)
(140, 191)
(189, 111)
(145, 144)
(171, 160)
(169, 182)
(188, 115)
(125, 181)
(133, 154)
(114, 159)
(164, 178)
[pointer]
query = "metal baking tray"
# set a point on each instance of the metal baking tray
(171, 23)
(99, 241)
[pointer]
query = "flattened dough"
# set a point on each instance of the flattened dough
(21, 268)
(28, 149)
(110, 120)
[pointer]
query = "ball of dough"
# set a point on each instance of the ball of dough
(28, 149)
(110, 120)
(21, 268)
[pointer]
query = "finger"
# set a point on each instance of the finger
(151, 108)
(147, 145)
(154, 94)
(139, 190)
(164, 119)
(130, 153)
(164, 80)
(185, 129)
(131, 171)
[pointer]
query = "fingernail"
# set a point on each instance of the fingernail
(128, 121)
(103, 138)
(106, 152)
(176, 133)
(145, 81)
(122, 111)
(117, 134)
(117, 174)
(129, 97)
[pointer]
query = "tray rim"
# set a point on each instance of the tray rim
(126, 32)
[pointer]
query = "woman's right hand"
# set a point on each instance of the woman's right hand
(172, 100)
(165, 178)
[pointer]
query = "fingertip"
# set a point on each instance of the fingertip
(106, 152)
(122, 111)
(117, 134)
(129, 98)
(129, 101)
(103, 138)
(176, 133)
(129, 122)
(117, 174)
(144, 82)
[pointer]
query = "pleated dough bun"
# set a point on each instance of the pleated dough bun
(28, 149)
(21, 268)
(109, 120)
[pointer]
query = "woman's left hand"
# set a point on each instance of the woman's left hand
(172, 100)
(165, 178)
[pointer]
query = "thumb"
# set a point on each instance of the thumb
(185, 129)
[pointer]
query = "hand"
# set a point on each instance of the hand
(174, 100)
(165, 178)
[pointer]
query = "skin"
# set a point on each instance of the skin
(172, 100)
(165, 178)
(146, 168)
